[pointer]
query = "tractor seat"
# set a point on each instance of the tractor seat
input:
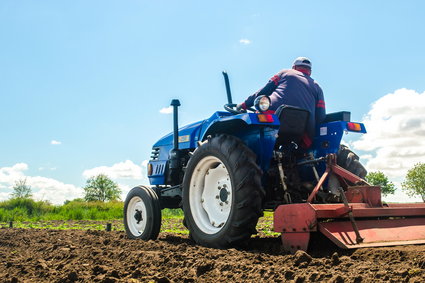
(293, 124)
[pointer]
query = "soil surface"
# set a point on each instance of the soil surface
(43, 255)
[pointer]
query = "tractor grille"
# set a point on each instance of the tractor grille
(155, 153)
(159, 170)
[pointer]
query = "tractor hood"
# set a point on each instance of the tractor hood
(220, 121)
(188, 136)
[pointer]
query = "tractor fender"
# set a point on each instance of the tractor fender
(259, 137)
(234, 125)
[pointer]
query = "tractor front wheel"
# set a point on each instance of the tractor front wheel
(222, 193)
(142, 214)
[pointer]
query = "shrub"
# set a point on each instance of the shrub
(27, 209)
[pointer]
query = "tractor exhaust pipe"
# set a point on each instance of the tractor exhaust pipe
(175, 103)
(226, 81)
(175, 159)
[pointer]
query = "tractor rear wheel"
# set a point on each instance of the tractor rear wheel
(142, 214)
(348, 160)
(222, 193)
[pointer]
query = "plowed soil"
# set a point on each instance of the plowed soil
(42, 255)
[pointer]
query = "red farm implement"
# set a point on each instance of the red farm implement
(361, 220)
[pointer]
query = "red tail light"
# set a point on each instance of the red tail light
(265, 118)
(355, 127)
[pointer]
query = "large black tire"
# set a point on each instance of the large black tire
(222, 193)
(142, 214)
(348, 160)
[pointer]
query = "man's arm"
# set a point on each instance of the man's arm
(320, 107)
(266, 90)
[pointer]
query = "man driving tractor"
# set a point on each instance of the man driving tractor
(294, 87)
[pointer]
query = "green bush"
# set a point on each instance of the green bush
(21, 209)
(96, 210)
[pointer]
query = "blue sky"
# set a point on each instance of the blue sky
(83, 82)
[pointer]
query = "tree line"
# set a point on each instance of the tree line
(413, 184)
(97, 188)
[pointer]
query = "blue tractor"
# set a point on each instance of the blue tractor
(226, 170)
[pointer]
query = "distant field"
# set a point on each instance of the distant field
(171, 223)
(81, 215)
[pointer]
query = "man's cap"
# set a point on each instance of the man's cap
(302, 61)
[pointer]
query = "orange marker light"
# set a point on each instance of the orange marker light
(150, 169)
(265, 118)
(356, 127)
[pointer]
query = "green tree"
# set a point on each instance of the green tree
(379, 179)
(415, 181)
(21, 189)
(101, 188)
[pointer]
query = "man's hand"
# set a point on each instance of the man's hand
(241, 107)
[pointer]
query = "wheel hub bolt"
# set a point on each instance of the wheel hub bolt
(224, 194)
(138, 216)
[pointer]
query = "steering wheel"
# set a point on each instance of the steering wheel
(231, 107)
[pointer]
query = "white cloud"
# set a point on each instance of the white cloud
(366, 157)
(245, 41)
(396, 133)
(122, 170)
(53, 190)
(57, 192)
(166, 110)
(42, 188)
(4, 196)
(9, 175)
(55, 142)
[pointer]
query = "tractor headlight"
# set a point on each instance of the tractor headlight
(262, 103)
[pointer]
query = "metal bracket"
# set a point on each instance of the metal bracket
(331, 166)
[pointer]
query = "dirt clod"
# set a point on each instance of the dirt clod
(335, 259)
(302, 257)
(73, 276)
(338, 279)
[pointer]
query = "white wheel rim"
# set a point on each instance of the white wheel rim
(210, 195)
(136, 206)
